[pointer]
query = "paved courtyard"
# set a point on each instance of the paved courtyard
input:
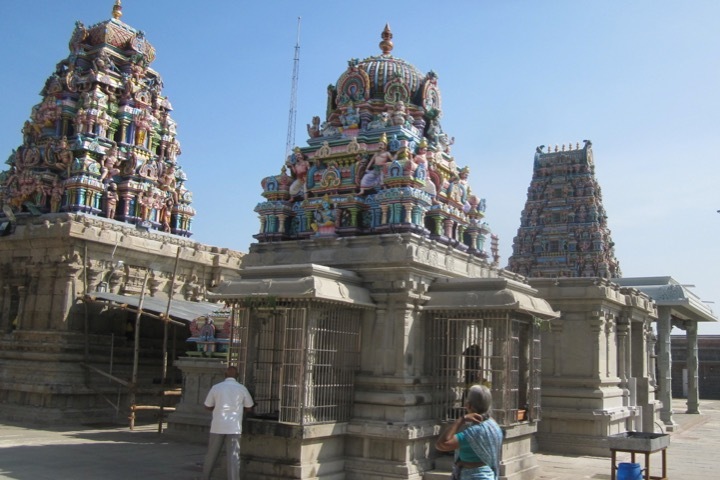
(116, 453)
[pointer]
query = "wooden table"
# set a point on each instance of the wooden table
(647, 475)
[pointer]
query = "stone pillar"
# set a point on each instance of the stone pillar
(67, 295)
(623, 360)
(22, 292)
(692, 367)
(191, 421)
(5, 310)
(664, 361)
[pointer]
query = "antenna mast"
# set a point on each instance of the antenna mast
(292, 115)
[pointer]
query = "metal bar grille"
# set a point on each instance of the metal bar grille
(332, 346)
(535, 411)
(293, 376)
(237, 350)
(484, 348)
(299, 362)
(264, 359)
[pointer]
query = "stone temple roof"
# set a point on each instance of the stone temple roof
(668, 292)
(113, 32)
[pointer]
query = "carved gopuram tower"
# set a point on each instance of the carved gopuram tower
(563, 227)
(95, 213)
(102, 140)
(597, 360)
(370, 302)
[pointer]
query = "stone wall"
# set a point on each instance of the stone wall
(597, 378)
(708, 366)
(47, 333)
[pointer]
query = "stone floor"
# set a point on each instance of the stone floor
(109, 452)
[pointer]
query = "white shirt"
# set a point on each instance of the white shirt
(229, 399)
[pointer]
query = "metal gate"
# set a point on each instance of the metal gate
(490, 349)
(298, 362)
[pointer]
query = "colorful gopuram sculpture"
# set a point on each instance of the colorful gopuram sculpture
(380, 162)
(102, 140)
(563, 227)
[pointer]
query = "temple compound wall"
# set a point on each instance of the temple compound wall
(598, 369)
(358, 350)
(55, 334)
(708, 354)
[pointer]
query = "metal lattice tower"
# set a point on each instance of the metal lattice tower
(292, 114)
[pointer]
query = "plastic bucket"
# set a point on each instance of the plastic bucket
(629, 471)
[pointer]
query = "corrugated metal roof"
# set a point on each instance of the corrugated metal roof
(179, 309)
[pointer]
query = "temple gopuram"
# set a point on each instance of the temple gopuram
(102, 140)
(380, 162)
(96, 264)
(563, 227)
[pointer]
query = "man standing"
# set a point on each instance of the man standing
(227, 400)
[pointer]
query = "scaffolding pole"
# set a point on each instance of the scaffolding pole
(136, 352)
(166, 324)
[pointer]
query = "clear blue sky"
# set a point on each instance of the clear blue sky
(641, 79)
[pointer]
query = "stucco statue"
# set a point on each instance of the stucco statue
(314, 129)
(351, 118)
(110, 162)
(111, 199)
(299, 167)
(399, 114)
(373, 173)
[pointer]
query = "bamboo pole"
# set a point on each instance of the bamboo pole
(166, 323)
(136, 353)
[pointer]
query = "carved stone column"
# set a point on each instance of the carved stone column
(22, 294)
(664, 359)
(29, 301)
(692, 367)
(68, 296)
(623, 357)
(5, 310)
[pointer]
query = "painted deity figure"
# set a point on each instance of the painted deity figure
(350, 119)
(299, 167)
(56, 194)
(144, 203)
(63, 155)
(207, 332)
(166, 214)
(314, 128)
(373, 176)
(130, 164)
(111, 199)
(167, 179)
(380, 120)
(399, 114)
(324, 218)
(109, 168)
(325, 214)
(421, 160)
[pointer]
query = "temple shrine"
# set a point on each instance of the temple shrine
(372, 298)
(369, 303)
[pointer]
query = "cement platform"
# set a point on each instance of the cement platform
(112, 452)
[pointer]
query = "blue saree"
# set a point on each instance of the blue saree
(481, 443)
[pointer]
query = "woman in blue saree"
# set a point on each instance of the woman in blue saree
(478, 446)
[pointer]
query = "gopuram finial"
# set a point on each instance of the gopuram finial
(117, 10)
(386, 45)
